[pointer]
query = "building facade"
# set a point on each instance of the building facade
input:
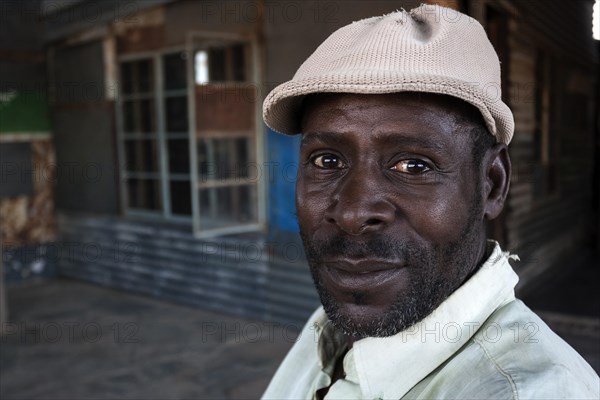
(168, 183)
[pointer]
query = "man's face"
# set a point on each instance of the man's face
(389, 205)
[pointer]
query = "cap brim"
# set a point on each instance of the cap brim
(282, 107)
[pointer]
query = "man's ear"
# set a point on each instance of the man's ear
(497, 180)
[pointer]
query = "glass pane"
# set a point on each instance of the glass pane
(127, 77)
(208, 208)
(227, 158)
(201, 67)
(223, 159)
(129, 116)
(249, 203)
(139, 116)
(226, 63)
(147, 116)
(176, 114)
(141, 155)
(144, 194)
(238, 61)
(217, 67)
(242, 149)
(179, 156)
(205, 162)
(137, 76)
(175, 71)
(226, 206)
(145, 78)
(181, 198)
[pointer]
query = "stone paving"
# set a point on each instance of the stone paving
(71, 340)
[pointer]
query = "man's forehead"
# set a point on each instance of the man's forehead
(383, 112)
(392, 139)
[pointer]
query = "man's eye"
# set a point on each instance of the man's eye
(411, 166)
(328, 161)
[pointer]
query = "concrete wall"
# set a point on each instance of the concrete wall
(84, 130)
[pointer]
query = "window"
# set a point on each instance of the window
(140, 136)
(175, 104)
(225, 115)
(155, 136)
(199, 168)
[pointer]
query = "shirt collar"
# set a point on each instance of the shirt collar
(331, 344)
(374, 363)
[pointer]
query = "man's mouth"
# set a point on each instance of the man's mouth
(361, 274)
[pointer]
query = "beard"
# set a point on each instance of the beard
(436, 271)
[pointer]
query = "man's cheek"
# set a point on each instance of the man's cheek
(442, 220)
(311, 203)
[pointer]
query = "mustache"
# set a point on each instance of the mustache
(380, 247)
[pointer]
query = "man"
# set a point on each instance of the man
(403, 159)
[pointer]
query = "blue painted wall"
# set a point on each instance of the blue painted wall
(282, 165)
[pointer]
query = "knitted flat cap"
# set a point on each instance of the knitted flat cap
(429, 49)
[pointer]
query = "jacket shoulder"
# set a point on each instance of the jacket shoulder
(513, 355)
(534, 360)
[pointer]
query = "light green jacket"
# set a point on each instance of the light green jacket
(480, 343)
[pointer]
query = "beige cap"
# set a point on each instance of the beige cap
(429, 49)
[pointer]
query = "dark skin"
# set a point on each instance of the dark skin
(392, 170)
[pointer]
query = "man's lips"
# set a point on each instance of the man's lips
(360, 274)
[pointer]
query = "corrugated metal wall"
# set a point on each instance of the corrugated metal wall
(236, 275)
(547, 229)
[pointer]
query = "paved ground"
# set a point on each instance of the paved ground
(72, 340)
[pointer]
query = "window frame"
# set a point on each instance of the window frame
(259, 132)
(164, 175)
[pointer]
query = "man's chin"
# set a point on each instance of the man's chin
(362, 320)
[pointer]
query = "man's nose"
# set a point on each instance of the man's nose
(359, 207)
